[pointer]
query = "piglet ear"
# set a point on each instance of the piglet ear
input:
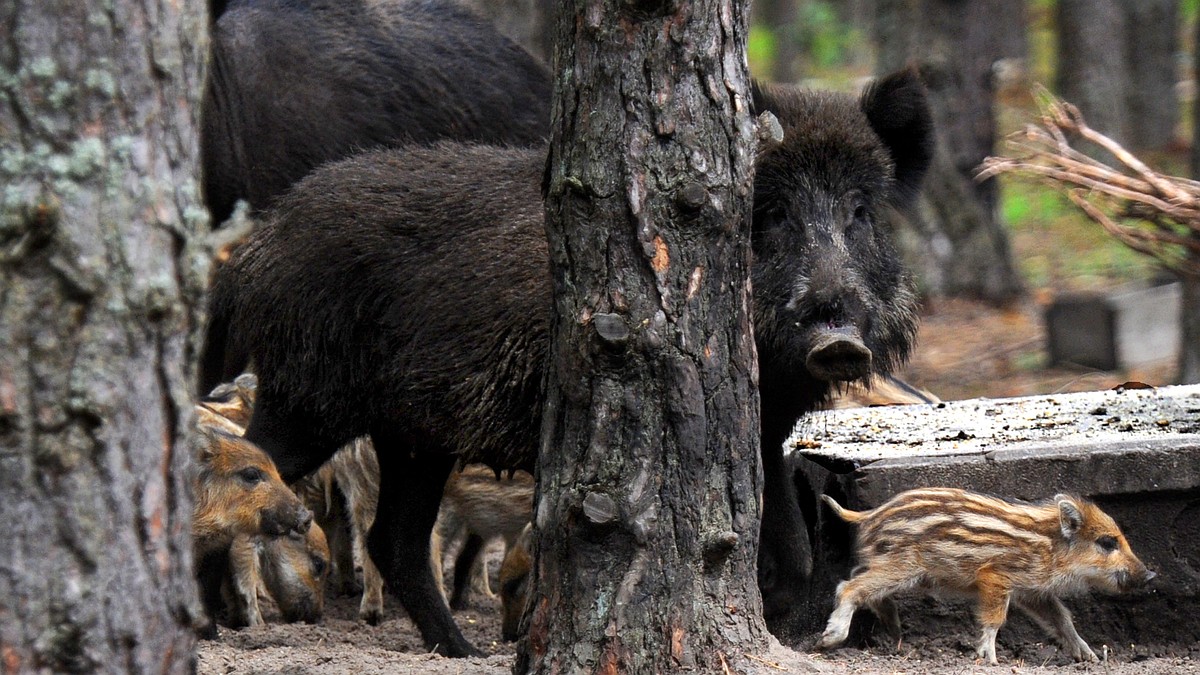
(1070, 518)
(204, 446)
(898, 111)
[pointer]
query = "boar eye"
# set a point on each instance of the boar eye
(252, 475)
(318, 565)
(1107, 543)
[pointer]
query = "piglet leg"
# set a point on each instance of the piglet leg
(1053, 616)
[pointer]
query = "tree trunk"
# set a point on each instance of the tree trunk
(782, 17)
(963, 248)
(1189, 345)
(1116, 62)
(98, 309)
(1189, 318)
(1151, 50)
(647, 520)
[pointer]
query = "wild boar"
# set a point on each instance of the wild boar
(293, 84)
(290, 569)
(237, 492)
(477, 507)
(946, 540)
(343, 493)
(405, 294)
(294, 570)
(514, 584)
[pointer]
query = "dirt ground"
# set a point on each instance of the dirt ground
(965, 350)
(342, 644)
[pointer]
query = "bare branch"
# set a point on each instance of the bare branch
(1151, 213)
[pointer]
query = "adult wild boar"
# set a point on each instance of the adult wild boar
(293, 84)
(406, 294)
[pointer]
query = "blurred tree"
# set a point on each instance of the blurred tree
(1116, 62)
(100, 297)
(526, 22)
(649, 487)
(782, 18)
(963, 248)
(1189, 357)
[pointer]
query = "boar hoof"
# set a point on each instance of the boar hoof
(839, 355)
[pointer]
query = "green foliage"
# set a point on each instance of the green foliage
(827, 47)
(823, 35)
(1056, 246)
(761, 50)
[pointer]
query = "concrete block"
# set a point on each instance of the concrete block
(1135, 452)
(1117, 330)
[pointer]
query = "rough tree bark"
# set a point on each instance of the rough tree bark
(649, 481)
(1116, 62)
(99, 298)
(962, 249)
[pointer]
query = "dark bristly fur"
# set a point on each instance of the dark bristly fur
(405, 294)
(293, 84)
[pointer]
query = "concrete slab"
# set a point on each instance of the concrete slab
(1134, 451)
(1133, 326)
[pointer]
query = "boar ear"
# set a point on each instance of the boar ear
(899, 113)
(1070, 518)
(760, 96)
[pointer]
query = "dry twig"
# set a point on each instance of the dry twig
(1152, 213)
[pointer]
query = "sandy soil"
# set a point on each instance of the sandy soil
(965, 350)
(341, 644)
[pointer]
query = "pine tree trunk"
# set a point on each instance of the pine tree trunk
(963, 248)
(1189, 346)
(1151, 50)
(1116, 61)
(783, 19)
(1189, 316)
(648, 515)
(99, 302)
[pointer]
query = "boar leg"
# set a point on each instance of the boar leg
(870, 588)
(992, 612)
(467, 566)
(1053, 616)
(341, 546)
(785, 553)
(370, 608)
(410, 489)
(243, 563)
(888, 614)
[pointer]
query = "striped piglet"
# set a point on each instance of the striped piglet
(950, 541)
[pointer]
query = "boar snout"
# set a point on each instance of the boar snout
(285, 519)
(1130, 580)
(838, 355)
(303, 610)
